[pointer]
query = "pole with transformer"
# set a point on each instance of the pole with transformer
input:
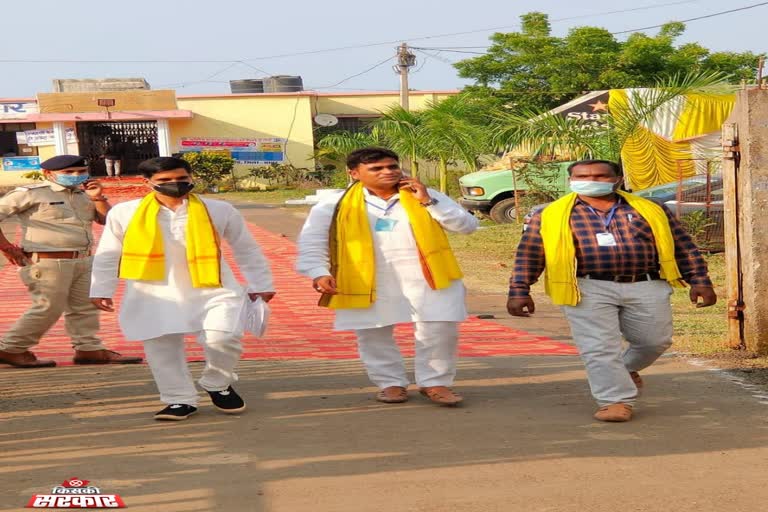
(405, 61)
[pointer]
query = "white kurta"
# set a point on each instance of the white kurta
(402, 293)
(150, 309)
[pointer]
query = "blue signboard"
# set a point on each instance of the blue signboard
(258, 157)
(21, 163)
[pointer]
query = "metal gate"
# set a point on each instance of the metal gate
(135, 141)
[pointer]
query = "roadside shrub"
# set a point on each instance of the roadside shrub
(696, 224)
(286, 175)
(210, 169)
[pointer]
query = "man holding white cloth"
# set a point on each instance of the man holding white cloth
(379, 255)
(167, 247)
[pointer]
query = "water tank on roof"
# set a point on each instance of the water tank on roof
(283, 83)
(248, 86)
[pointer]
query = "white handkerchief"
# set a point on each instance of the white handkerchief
(256, 317)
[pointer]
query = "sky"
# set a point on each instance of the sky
(248, 37)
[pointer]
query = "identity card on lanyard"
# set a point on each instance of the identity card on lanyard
(385, 223)
(606, 238)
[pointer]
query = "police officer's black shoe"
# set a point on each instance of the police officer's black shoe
(227, 401)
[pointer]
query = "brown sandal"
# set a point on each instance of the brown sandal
(442, 395)
(614, 413)
(392, 395)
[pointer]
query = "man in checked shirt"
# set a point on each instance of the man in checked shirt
(610, 259)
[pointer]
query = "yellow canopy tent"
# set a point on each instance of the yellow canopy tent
(679, 132)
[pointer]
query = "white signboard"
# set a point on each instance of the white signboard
(244, 151)
(17, 110)
(43, 137)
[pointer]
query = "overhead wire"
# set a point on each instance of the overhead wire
(204, 80)
(341, 48)
(696, 18)
(368, 70)
(453, 49)
(424, 50)
(476, 31)
(424, 63)
(209, 79)
(446, 50)
(290, 130)
(266, 73)
(433, 56)
(721, 13)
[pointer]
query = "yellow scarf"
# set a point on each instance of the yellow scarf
(143, 256)
(560, 251)
(352, 255)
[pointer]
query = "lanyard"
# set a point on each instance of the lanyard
(387, 209)
(607, 221)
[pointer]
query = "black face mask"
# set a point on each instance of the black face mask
(174, 188)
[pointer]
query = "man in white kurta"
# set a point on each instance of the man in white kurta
(402, 293)
(160, 313)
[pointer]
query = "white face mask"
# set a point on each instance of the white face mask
(71, 180)
(593, 188)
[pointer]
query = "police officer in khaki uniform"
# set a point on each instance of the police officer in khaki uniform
(55, 261)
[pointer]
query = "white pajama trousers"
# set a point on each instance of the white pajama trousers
(436, 346)
(113, 166)
(168, 361)
(640, 313)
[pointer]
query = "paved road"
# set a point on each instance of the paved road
(313, 439)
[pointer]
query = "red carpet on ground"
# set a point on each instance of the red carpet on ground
(299, 329)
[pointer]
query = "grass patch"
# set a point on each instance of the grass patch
(277, 196)
(702, 331)
(487, 257)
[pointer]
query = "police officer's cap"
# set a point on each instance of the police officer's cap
(60, 162)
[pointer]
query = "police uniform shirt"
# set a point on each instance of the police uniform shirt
(53, 218)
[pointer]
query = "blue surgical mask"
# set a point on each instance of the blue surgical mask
(593, 188)
(72, 180)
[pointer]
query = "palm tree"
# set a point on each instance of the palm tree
(547, 135)
(335, 147)
(452, 130)
(400, 129)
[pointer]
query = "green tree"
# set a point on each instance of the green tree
(533, 69)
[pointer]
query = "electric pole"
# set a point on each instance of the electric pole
(405, 61)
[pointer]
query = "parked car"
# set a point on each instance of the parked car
(492, 193)
(709, 224)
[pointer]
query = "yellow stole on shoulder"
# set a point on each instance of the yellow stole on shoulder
(560, 250)
(352, 255)
(143, 256)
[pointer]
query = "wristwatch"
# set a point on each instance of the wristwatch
(432, 201)
(99, 199)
